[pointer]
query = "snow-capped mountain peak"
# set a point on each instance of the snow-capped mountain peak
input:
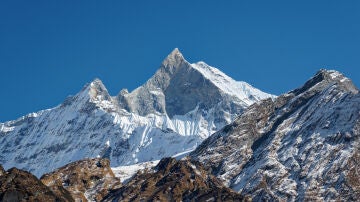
(92, 93)
(173, 60)
(97, 91)
(326, 77)
(178, 87)
(173, 112)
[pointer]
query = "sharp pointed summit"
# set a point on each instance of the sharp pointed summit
(175, 55)
(176, 51)
(94, 86)
(92, 95)
(174, 61)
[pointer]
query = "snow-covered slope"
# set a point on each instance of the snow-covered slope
(126, 172)
(242, 90)
(173, 112)
(303, 145)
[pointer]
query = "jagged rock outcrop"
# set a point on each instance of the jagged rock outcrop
(173, 180)
(170, 114)
(19, 185)
(85, 180)
(2, 171)
(304, 145)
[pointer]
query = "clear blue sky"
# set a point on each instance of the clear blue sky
(50, 49)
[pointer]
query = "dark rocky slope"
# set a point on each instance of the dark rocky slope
(18, 185)
(173, 180)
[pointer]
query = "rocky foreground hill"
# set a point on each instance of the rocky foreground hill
(175, 180)
(89, 179)
(93, 180)
(19, 185)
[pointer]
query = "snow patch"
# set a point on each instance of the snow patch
(6, 129)
(126, 172)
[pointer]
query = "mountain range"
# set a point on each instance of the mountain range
(229, 141)
(172, 113)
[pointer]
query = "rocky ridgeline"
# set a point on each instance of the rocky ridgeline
(175, 180)
(304, 145)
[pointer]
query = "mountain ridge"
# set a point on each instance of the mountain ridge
(298, 146)
(301, 145)
(169, 114)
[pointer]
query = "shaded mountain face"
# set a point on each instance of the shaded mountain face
(19, 185)
(85, 180)
(179, 87)
(172, 113)
(304, 145)
(173, 180)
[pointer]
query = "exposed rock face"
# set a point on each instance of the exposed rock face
(170, 114)
(85, 180)
(173, 180)
(176, 88)
(304, 145)
(2, 171)
(19, 185)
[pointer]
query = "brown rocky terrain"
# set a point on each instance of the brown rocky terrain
(19, 185)
(2, 171)
(89, 179)
(93, 180)
(173, 180)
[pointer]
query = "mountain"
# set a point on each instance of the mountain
(175, 180)
(84, 180)
(303, 145)
(172, 113)
(19, 185)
